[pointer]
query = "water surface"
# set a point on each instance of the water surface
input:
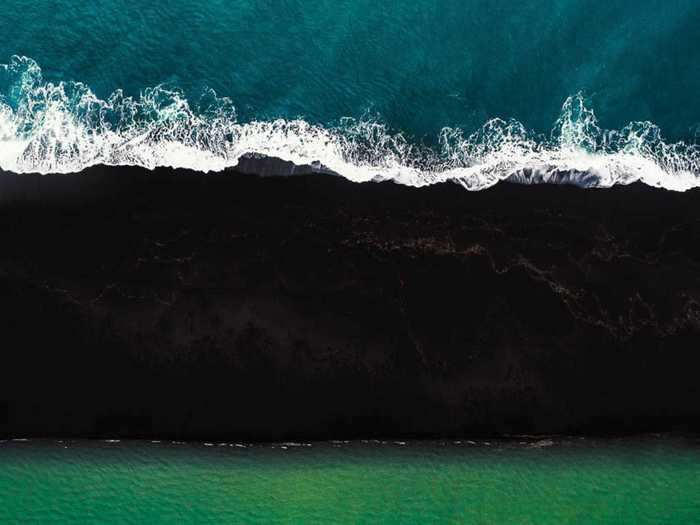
(418, 92)
(645, 480)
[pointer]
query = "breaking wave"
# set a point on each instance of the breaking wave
(64, 127)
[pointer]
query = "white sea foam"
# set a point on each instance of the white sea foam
(63, 127)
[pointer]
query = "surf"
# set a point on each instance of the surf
(64, 127)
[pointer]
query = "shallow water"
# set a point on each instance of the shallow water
(606, 88)
(636, 480)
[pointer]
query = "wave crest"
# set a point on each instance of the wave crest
(64, 127)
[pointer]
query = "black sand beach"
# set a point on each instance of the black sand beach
(172, 304)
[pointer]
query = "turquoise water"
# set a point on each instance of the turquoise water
(641, 481)
(400, 90)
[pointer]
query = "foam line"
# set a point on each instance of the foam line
(65, 127)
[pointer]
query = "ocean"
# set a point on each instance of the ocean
(417, 92)
(650, 480)
(234, 309)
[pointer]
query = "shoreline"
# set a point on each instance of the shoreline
(689, 440)
(227, 306)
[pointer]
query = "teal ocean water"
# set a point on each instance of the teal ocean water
(641, 481)
(418, 92)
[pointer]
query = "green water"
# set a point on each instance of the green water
(640, 481)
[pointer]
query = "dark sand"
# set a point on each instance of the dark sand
(190, 306)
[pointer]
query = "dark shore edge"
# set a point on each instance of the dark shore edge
(177, 305)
